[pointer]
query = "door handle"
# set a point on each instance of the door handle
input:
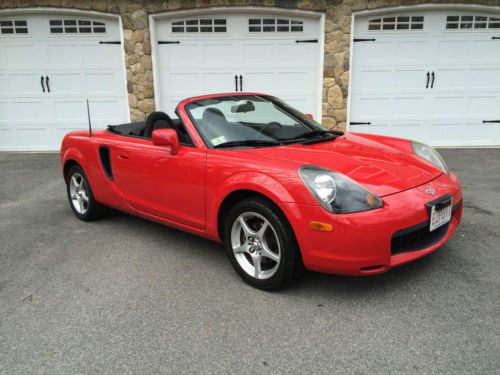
(47, 81)
(241, 82)
(236, 82)
(41, 81)
(428, 77)
(123, 156)
(432, 83)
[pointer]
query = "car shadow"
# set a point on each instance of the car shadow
(311, 282)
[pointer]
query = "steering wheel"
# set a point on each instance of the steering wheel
(269, 126)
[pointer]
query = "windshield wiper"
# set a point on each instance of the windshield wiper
(248, 142)
(313, 134)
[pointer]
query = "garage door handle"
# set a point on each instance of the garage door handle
(428, 77)
(41, 81)
(236, 82)
(432, 83)
(241, 82)
(47, 81)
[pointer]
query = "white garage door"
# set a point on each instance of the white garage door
(272, 54)
(430, 76)
(49, 65)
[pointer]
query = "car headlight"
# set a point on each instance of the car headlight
(429, 154)
(336, 192)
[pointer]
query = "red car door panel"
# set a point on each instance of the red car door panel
(154, 181)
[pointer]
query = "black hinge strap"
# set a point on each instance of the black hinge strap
(359, 123)
(495, 37)
(363, 40)
(168, 42)
(307, 41)
(491, 121)
(113, 42)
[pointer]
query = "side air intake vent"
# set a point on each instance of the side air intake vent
(105, 161)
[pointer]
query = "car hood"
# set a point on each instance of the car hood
(380, 168)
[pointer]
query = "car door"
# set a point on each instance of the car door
(168, 186)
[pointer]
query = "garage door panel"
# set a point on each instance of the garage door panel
(450, 79)
(25, 84)
(216, 82)
(449, 106)
(408, 107)
(5, 112)
(259, 53)
(106, 112)
(484, 107)
(259, 81)
(409, 80)
(219, 54)
(33, 138)
(29, 111)
(181, 81)
(102, 55)
(485, 79)
(4, 84)
(64, 54)
(8, 137)
(180, 55)
(66, 84)
(28, 55)
(66, 110)
(294, 82)
(103, 83)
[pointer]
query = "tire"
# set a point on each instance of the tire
(81, 199)
(265, 256)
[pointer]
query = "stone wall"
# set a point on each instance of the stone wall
(137, 46)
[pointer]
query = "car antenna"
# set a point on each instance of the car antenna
(88, 115)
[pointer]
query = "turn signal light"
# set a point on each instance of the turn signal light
(322, 227)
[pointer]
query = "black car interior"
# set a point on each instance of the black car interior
(156, 120)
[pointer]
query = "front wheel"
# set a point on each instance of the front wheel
(261, 244)
(80, 196)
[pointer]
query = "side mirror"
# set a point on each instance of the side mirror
(167, 137)
(308, 115)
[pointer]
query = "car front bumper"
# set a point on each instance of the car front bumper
(372, 242)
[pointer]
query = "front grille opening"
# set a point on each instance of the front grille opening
(418, 237)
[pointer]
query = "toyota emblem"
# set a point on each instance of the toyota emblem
(430, 190)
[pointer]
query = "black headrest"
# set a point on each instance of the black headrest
(213, 114)
(152, 119)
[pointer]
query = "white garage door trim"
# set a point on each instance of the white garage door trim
(410, 8)
(153, 18)
(16, 12)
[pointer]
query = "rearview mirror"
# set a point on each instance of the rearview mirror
(243, 108)
(167, 137)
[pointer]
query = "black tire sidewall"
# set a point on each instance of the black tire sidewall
(286, 238)
(93, 205)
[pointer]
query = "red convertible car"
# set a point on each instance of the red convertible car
(280, 191)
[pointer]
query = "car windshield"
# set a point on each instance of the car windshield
(253, 121)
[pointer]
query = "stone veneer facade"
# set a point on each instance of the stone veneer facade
(137, 45)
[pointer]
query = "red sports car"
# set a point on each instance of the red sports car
(283, 193)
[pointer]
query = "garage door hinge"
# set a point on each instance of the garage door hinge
(491, 121)
(359, 123)
(363, 40)
(307, 41)
(495, 37)
(113, 42)
(168, 42)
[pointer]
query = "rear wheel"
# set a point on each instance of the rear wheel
(261, 244)
(80, 196)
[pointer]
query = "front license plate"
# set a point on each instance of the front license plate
(440, 215)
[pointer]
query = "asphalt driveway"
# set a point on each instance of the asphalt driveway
(124, 295)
